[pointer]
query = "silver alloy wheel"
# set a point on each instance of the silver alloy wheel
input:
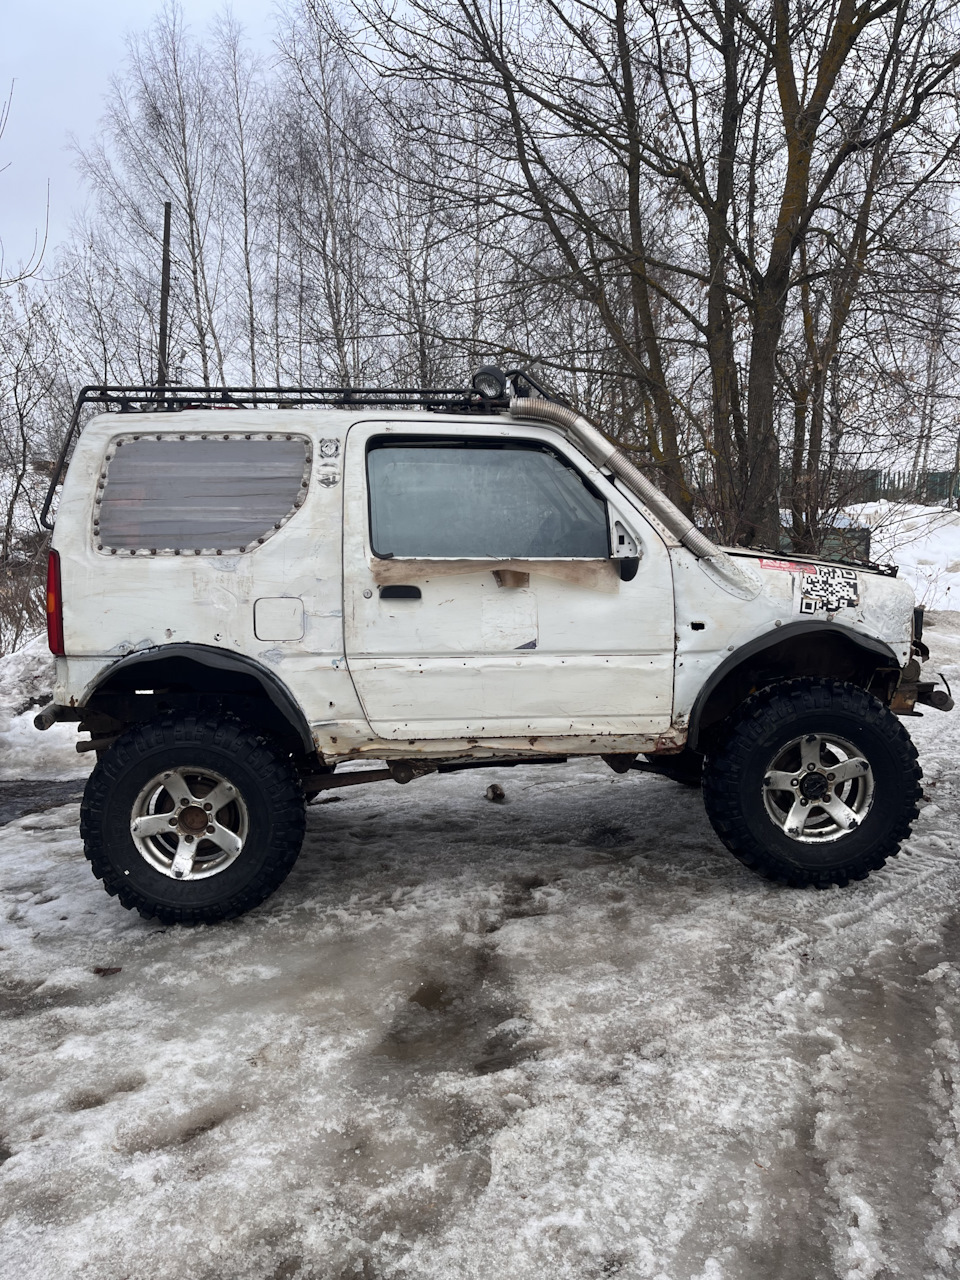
(189, 823)
(818, 788)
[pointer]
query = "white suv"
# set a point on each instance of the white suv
(249, 590)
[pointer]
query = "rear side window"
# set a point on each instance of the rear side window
(481, 500)
(167, 493)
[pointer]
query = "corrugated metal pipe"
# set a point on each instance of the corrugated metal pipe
(722, 568)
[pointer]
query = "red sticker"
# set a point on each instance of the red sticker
(788, 566)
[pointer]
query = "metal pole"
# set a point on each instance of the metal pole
(163, 351)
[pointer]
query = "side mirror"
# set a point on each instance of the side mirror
(628, 567)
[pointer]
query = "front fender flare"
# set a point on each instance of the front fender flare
(870, 647)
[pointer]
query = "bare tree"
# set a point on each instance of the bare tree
(244, 108)
(29, 269)
(678, 157)
(727, 229)
(162, 142)
(32, 395)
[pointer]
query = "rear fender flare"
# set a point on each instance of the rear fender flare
(210, 656)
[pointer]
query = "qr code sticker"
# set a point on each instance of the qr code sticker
(828, 587)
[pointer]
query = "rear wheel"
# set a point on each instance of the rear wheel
(815, 783)
(192, 820)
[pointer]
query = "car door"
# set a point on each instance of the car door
(482, 596)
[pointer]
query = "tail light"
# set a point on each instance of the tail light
(54, 606)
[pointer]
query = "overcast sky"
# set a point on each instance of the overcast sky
(60, 55)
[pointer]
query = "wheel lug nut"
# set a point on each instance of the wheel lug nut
(794, 782)
(811, 767)
(173, 822)
(804, 801)
(210, 830)
(208, 807)
(831, 777)
(189, 839)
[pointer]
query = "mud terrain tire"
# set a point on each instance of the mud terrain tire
(762, 749)
(261, 829)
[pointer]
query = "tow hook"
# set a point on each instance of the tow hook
(910, 692)
(931, 696)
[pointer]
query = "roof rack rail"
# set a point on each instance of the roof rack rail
(146, 399)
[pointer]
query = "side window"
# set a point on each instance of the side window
(170, 493)
(481, 500)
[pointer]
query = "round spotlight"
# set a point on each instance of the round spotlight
(489, 382)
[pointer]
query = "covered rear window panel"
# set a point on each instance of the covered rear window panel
(194, 494)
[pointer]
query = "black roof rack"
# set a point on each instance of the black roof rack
(144, 399)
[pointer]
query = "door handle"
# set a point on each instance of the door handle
(399, 593)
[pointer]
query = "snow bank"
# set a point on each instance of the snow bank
(923, 541)
(26, 684)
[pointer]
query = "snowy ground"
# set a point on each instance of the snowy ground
(567, 1036)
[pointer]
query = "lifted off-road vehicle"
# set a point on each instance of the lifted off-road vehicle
(253, 591)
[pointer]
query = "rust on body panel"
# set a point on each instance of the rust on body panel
(511, 578)
(596, 575)
(667, 742)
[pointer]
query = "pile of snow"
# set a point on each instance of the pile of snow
(923, 541)
(26, 685)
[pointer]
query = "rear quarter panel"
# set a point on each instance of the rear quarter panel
(115, 605)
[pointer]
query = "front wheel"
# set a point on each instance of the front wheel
(192, 820)
(815, 783)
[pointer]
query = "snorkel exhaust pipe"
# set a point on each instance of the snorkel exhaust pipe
(723, 569)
